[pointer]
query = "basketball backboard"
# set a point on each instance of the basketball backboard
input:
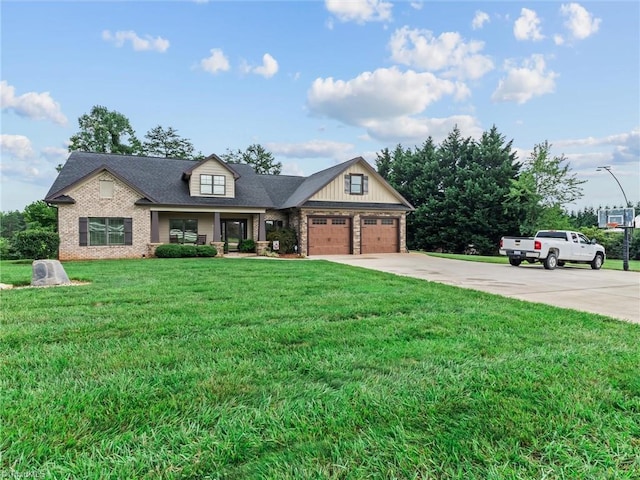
(616, 218)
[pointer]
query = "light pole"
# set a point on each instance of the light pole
(625, 245)
(608, 169)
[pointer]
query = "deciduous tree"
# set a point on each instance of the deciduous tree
(168, 144)
(255, 155)
(105, 131)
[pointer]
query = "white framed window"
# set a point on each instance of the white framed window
(212, 184)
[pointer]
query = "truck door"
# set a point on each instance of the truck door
(587, 250)
(575, 250)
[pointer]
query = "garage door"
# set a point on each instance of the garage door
(329, 235)
(380, 235)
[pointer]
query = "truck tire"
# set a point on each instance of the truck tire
(597, 261)
(551, 261)
(514, 262)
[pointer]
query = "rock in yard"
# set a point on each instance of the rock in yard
(48, 272)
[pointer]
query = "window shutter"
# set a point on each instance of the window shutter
(347, 184)
(128, 231)
(83, 229)
(365, 184)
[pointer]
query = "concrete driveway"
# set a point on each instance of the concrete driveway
(608, 292)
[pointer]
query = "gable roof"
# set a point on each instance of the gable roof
(162, 181)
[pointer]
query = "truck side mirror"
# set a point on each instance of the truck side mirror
(593, 241)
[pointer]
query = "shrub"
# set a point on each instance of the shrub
(247, 246)
(171, 250)
(4, 248)
(36, 244)
(287, 238)
(206, 251)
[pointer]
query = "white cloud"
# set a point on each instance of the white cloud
(312, 149)
(448, 53)
(17, 146)
(527, 26)
(216, 62)
(580, 22)
(625, 147)
(268, 68)
(292, 168)
(479, 19)
(157, 44)
(37, 106)
(416, 5)
(21, 163)
(417, 130)
(360, 11)
(558, 39)
(524, 82)
(382, 94)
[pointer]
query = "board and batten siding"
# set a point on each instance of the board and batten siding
(212, 168)
(334, 191)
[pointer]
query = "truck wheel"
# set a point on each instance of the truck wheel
(597, 262)
(551, 261)
(514, 262)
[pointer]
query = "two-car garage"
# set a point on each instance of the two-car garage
(334, 235)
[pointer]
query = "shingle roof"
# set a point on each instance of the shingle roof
(162, 181)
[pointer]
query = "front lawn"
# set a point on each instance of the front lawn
(257, 368)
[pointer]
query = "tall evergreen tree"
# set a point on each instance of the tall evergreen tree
(459, 189)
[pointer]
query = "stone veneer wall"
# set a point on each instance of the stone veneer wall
(300, 218)
(89, 204)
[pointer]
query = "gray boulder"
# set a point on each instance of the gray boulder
(48, 272)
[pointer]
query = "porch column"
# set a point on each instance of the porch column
(262, 229)
(217, 233)
(155, 227)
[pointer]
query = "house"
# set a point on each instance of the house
(119, 206)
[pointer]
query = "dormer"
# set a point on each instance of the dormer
(211, 177)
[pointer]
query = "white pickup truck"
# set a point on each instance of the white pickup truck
(553, 248)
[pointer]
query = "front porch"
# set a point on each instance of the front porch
(225, 230)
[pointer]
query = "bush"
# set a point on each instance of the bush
(206, 251)
(4, 248)
(247, 246)
(171, 250)
(287, 238)
(36, 244)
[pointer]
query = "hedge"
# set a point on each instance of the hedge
(170, 250)
(36, 244)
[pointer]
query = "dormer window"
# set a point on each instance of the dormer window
(212, 184)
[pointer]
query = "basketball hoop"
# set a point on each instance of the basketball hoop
(613, 225)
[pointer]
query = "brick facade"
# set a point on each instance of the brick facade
(89, 204)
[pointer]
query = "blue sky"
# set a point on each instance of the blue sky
(319, 82)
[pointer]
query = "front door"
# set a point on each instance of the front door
(234, 231)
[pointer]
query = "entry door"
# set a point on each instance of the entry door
(233, 231)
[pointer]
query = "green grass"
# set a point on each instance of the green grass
(610, 264)
(250, 368)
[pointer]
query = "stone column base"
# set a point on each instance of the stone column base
(262, 247)
(151, 249)
(219, 247)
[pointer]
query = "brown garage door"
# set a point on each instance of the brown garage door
(329, 235)
(380, 235)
